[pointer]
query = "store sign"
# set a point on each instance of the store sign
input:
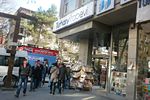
(77, 15)
(124, 1)
(39, 51)
(104, 5)
(143, 11)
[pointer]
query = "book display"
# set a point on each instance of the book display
(81, 77)
(143, 79)
(118, 84)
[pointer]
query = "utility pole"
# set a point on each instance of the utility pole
(12, 52)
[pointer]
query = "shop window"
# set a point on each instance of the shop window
(119, 62)
(143, 62)
(120, 52)
(69, 6)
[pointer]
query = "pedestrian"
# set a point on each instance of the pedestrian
(44, 70)
(49, 75)
(54, 78)
(68, 76)
(32, 77)
(61, 77)
(23, 77)
(41, 70)
(37, 72)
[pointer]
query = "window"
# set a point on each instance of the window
(4, 61)
(85, 2)
(70, 5)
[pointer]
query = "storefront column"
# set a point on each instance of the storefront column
(85, 51)
(132, 58)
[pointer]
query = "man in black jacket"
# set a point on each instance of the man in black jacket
(61, 77)
(23, 77)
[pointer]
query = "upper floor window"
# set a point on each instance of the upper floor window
(70, 5)
(83, 2)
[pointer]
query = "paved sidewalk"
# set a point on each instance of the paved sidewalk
(43, 94)
(102, 92)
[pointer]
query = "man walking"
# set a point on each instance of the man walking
(62, 77)
(54, 78)
(23, 77)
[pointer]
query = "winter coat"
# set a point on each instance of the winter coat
(24, 71)
(62, 72)
(54, 74)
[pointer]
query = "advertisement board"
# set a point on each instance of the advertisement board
(41, 54)
(143, 10)
(104, 5)
(79, 14)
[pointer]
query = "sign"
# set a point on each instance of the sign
(39, 51)
(124, 1)
(143, 10)
(32, 57)
(104, 5)
(78, 15)
(41, 54)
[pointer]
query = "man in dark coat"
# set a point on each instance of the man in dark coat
(61, 77)
(23, 77)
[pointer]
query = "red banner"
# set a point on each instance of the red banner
(39, 50)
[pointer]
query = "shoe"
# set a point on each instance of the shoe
(16, 96)
(24, 94)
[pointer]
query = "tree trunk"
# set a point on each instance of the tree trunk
(12, 53)
(7, 83)
(38, 37)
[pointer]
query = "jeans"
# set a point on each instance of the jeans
(32, 84)
(53, 87)
(61, 85)
(43, 77)
(23, 79)
(36, 83)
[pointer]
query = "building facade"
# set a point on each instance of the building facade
(114, 31)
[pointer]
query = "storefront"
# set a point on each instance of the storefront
(110, 34)
(143, 51)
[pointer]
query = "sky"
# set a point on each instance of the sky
(35, 4)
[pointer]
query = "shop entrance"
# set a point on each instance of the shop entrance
(143, 62)
(100, 63)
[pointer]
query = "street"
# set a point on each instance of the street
(43, 94)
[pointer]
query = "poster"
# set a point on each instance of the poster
(104, 5)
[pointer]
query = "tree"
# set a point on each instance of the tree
(41, 29)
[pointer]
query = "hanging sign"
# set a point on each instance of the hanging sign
(104, 5)
(143, 11)
(124, 1)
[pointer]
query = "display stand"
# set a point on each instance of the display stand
(81, 77)
(118, 85)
